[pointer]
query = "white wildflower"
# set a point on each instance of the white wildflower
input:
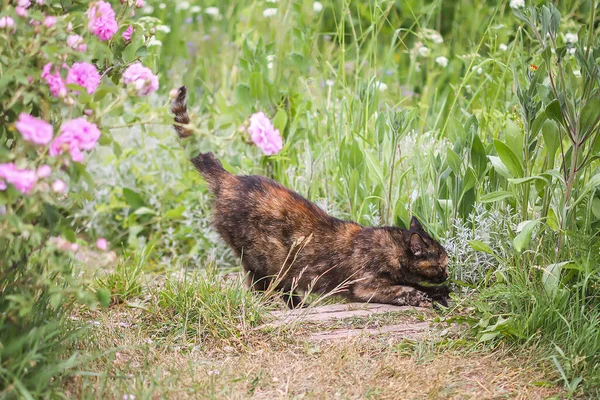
(128, 397)
(182, 5)
(214, 11)
(317, 7)
(517, 3)
(571, 37)
(163, 28)
(503, 47)
(272, 1)
(195, 9)
(442, 61)
(269, 12)
(153, 42)
(270, 59)
(329, 82)
(382, 87)
(571, 51)
(423, 51)
(162, 6)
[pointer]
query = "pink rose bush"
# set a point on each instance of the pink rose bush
(76, 43)
(34, 130)
(85, 75)
(102, 22)
(141, 78)
(54, 81)
(127, 34)
(264, 135)
(76, 135)
(22, 179)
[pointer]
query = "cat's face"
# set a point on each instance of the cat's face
(429, 260)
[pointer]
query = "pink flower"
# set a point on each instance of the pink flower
(49, 21)
(141, 78)
(24, 3)
(34, 130)
(84, 74)
(59, 186)
(102, 244)
(54, 81)
(76, 43)
(43, 171)
(140, 3)
(21, 11)
(22, 179)
(127, 34)
(7, 22)
(40, 2)
(102, 21)
(76, 135)
(264, 135)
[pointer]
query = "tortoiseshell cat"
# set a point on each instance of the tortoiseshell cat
(285, 240)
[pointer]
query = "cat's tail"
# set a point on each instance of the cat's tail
(209, 167)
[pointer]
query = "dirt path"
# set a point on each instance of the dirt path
(352, 351)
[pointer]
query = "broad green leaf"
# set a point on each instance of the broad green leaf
(551, 276)
(589, 115)
(280, 120)
(509, 159)
(553, 112)
(175, 213)
(478, 245)
(552, 220)
(374, 168)
(521, 241)
(256, 85)
(495, 196)
(514, 138)
(453, 161)
(551, 139)
(499, 166)
(469, 180)
(133, 199)
(478, 156)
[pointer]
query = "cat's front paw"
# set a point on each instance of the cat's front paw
(414, 298)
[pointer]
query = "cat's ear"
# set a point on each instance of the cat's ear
(417, 245)
(415, 225)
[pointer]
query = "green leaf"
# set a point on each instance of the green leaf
(103, 296)
(514, 137)
(133, 199)
(509, 159)
(551, 139)
(495, 196)
(478, 245)
(499, 166)
(589, 115)
(551, 276)
(280, 120)
(242, 95)
(552, 220)
(453, 161)
(374, 168)
(143, 211)
(521, 241)
(553, 112)
(478, 157)
(256, 85)
(175, 213)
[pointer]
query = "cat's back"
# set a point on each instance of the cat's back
(260, 201)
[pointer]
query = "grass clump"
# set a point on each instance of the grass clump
(202, 306)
